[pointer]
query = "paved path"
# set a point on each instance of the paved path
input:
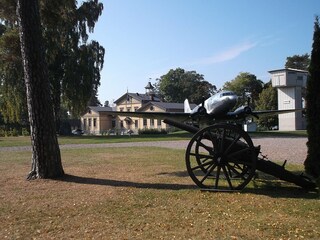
(293, 150)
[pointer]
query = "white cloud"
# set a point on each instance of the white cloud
(228, 54)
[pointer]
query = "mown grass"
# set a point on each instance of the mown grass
(90, 139)
(145, 193)
(25, 141)
(298, 133)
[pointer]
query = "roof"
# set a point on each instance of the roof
(138, 96)
(100, 109)
(288, 69)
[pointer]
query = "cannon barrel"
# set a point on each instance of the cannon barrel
(280, 172)
(183, 126)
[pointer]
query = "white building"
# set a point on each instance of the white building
(289, 83)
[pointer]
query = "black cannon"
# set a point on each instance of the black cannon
(222, 157)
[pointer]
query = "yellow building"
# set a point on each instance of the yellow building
(133, 102)
(98, 121)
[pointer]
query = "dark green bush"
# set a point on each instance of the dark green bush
(152, 131)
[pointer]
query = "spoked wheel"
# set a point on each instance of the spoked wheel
(221, 157)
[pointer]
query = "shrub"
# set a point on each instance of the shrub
(152, 131)
(25, 132)
(2, 132)
(14, 132)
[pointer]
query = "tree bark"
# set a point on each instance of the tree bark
(46, 158)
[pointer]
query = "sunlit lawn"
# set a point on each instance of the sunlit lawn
(145, 193)
(90, 139)
(25, 141)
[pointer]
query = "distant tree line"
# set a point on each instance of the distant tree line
(179, 84)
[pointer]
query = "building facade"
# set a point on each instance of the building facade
(133, 102)
(289, 83)
(97, 121)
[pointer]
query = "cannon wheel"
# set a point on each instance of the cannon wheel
(221, 157)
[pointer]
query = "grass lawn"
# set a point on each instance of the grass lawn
(25, 141)
(297, 133)
(145, 193)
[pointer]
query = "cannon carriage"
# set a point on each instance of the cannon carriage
(222, 157)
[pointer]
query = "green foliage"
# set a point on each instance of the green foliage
(298, 62)
(245, 82)
(13, 131)
(74, 64)
(12, 89)
(151, 131)
(94, 100)
(25, 132)
(312, 163)
(267, 101)
(65, 128)
(83, 78)
(178, 84)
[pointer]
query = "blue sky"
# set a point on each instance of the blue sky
(144, 39)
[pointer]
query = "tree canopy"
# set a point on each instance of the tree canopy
(267, 101)
(298, 62)
(12, 89)
(178, 84)
(74, 64)
(312, 162)
(245, 82)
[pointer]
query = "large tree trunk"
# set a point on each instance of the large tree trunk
(46, 159)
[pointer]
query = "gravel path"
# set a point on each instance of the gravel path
(294, 150)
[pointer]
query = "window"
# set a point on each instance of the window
(136, 123)
(121, 124)
(151, 122)
(159, 122)
(128, 109)
(94, 122)
(113, 123)
(89, 122)
(227, 94)
(121, 109)
(144, 122)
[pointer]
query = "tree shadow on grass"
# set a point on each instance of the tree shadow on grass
(120, 183)
(264, 185)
